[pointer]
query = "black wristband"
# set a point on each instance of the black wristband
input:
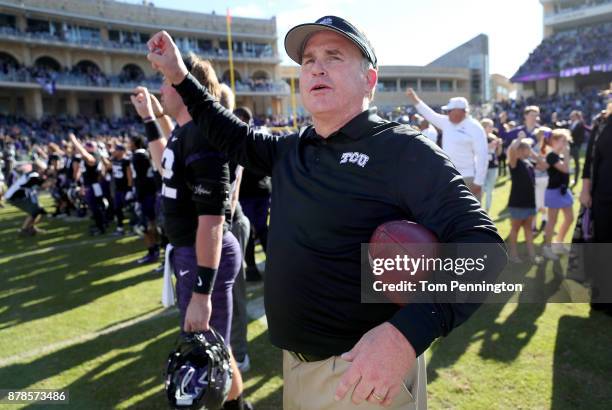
(205, 280)
(152, 130)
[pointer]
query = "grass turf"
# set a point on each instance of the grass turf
(78, 313)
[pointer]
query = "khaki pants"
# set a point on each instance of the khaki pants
(312, 386)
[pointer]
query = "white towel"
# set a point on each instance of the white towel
(168, 287)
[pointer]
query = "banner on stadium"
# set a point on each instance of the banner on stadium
(574, 71)
(603, 68)
(565, 73)
(533, 77)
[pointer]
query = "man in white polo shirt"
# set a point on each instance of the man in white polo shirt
(463, 138)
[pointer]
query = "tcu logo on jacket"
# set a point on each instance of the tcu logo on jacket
(354, 158)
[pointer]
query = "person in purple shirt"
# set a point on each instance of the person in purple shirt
(531, 115)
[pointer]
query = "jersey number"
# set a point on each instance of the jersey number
(167, 163)
(117, 171)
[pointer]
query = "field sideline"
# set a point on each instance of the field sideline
(77, 313)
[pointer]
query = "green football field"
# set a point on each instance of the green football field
(78, 314)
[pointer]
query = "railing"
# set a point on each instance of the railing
(23, 76)
(278, 87)
(568, 10)
(12, 33)
(68, 79)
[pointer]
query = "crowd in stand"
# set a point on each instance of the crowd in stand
(55, 129)
(93, 76)
(571, 48)
(77, 75)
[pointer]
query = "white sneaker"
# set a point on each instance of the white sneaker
(548, 253)
(245, 365)
(560, 249)
(139, 230)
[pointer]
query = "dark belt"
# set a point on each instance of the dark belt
(304, 357)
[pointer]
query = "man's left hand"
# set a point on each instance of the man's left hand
(380, 362)
(142, 102)
(197, 317)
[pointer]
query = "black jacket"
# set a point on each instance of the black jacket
(598, 160)
(578, 134)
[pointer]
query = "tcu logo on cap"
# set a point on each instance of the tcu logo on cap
(326, 20)
(354, 158)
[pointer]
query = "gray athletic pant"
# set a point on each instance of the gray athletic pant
(240, 228)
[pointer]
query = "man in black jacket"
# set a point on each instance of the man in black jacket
(597, 195)
(334, 183)
(578, 130)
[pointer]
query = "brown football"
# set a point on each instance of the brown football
(401, 239)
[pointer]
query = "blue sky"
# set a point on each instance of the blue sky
(408, 32)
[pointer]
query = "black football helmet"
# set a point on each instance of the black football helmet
(198, 374)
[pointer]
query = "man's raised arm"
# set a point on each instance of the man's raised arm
(225, 131)
(425, 110)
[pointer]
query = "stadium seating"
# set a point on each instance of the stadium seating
(571, 48)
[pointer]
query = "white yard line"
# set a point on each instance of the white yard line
(7, 361)
(255, 310)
